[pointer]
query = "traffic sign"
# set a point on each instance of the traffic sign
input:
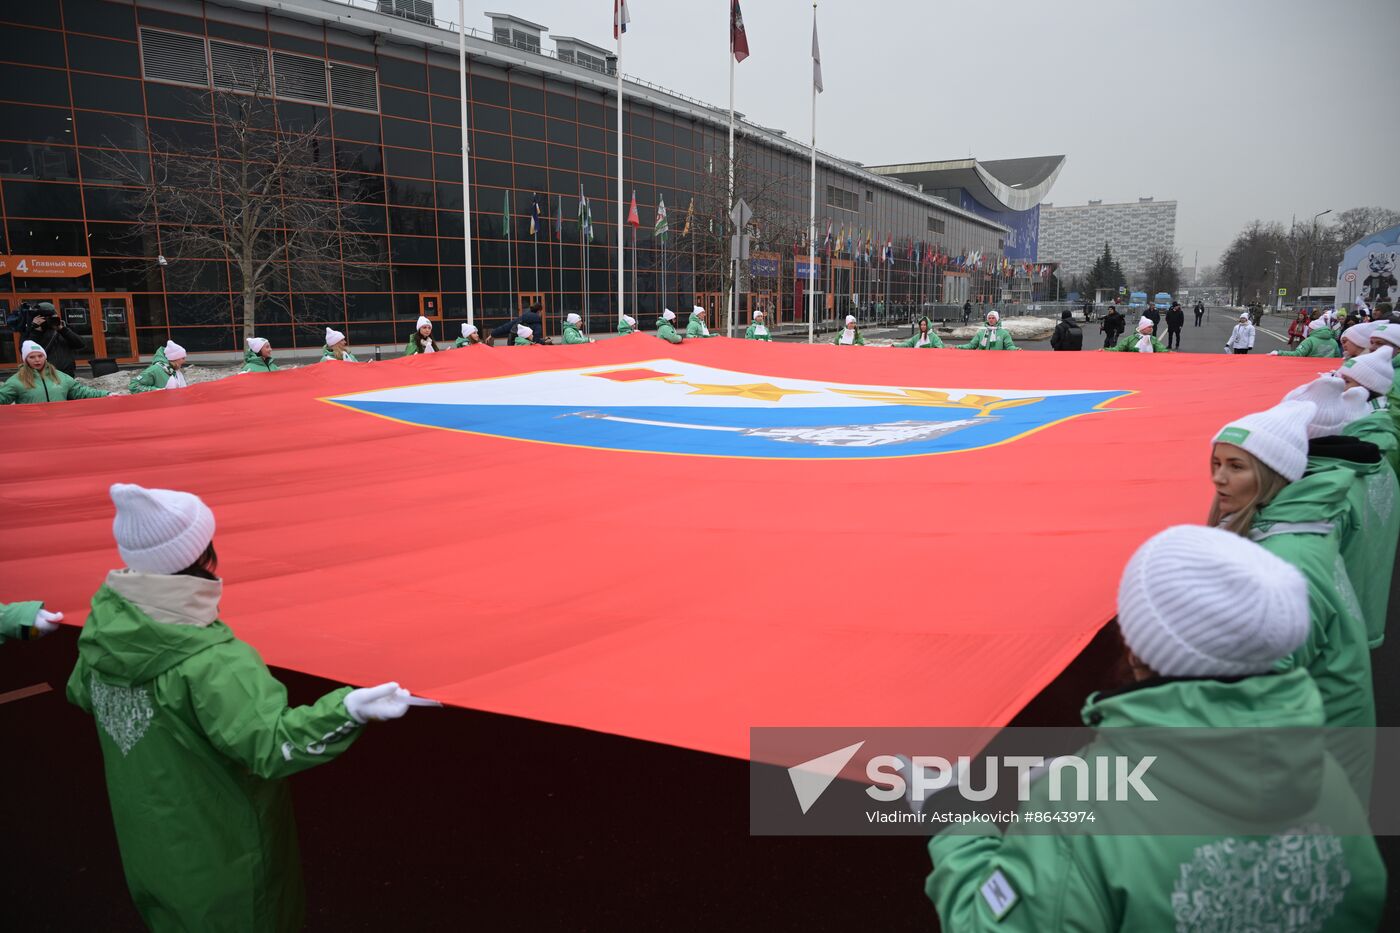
(1282, 292)
(1350, 276)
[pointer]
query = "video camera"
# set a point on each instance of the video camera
(27, 311)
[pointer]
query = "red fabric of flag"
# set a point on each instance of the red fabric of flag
(706, 593)
(633, 218)
(738, 39)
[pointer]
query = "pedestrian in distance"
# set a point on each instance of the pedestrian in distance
(923, 337)
(967, 311)
(1176, 319)
(573, 330)
(849, 335)
(1204, 618)
(421, 340)
(1112, 326)
(337, 348)
(257, 357)
(1200, 312)
(38, 381)
(48, 329)
(695, 327)
(1242, 336)
(666, 327)
(1067, 335)
(1088, 310)
(1298, 329)
(471, 337)
(1141, 342)
(990, 336)
(196, 733)
(165, 372)
(758, 327)
(26, 621)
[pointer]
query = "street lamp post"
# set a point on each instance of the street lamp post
(1312, 247)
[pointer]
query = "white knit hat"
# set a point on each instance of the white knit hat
(698, 310)
(1387, 332)
(468, 330)
(993, 314)
(333, 337)
(758, 313)
(160, 530)
(1244, 315)
(422, 322)
(631, 321)
(29, 347)
(1278, 437)
(573, 318)
(173, 351)
(850, 319)
(522, 331)
(1374, 370)
(256, 344)
(1196, 601)
(1317, 325)
(1359, 334)
(668, 315)
(1336, 405)
(1144, 325)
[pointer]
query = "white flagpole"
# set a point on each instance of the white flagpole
(731, 300)
(466, 174)
(812, 203)
(621, 228)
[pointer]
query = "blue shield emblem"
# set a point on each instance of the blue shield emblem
(674, 407)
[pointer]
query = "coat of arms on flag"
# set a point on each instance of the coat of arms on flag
(674, 407)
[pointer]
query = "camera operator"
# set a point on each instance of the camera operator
(47, 329)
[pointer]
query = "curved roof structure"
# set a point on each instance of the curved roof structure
(1001, 185)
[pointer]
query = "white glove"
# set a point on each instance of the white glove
(1273, 353)
(386, 701)
(46, 622)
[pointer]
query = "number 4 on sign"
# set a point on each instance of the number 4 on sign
(22, 266)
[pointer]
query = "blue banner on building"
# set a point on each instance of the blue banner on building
(763, 267)
(1023, 241)
(804, 274)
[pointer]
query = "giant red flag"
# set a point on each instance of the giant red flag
(673, 543)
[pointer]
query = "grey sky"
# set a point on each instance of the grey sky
(1203, 101)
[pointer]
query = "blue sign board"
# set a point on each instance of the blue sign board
(763, 267)
(1023, 242)
(803, 271)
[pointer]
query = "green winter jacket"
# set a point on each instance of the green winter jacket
(1042, 881)
(696, 327)
(415, 344)
(858, 341)
(326, 354)
(1129, 344)
(45, 389)
(1381, 429)
(1369, 526)
(624, 328)
(196, 736)
(17, 620)
(667, 331)
(989, 338)
(934, 341)
(573, 335)
(753, 334)
(1321, 342)
(252, 363)
(1303, 525)
(153, 377)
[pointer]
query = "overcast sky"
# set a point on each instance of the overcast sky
(1236, 109)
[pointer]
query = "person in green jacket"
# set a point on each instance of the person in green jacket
(195, 733)
(1387, 334)
(165, 371)
(695, 327)
(1369, 526)
(257, 358)
(849, 335)
(758, 328)
(1258, 835)
(524, 336)
(1321, 341)
(37, 381)
(26, 621)
(1258, 464)
(990, 336)
(626, 324)
(666, 327)
(337, 348)
(421, 340)
(573, 329)
(925, 338)
(471, 337)
(1141, 342)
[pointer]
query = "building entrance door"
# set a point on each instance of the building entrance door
(102, 320)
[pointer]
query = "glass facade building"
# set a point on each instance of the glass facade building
(84, 81)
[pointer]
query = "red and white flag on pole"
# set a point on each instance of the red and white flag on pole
(620, 18)
(633, 218)
(738, 39)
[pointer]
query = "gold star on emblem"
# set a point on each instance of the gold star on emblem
(758, 391)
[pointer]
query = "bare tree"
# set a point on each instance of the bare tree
(263, 199)
(1163, 271)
